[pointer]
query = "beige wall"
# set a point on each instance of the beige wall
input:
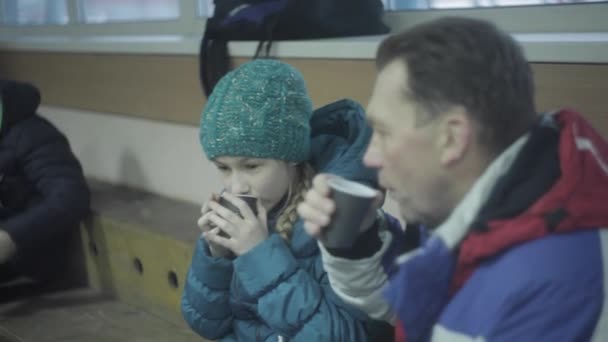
(166, 87)
(153, 143)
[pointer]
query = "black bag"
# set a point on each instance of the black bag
(266, 21)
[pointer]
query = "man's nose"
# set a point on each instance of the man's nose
(372, 157)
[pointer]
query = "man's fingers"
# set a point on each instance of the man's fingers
(319, 183)
(313, 215)
(317, 207)
(312, 229)
(320, 202)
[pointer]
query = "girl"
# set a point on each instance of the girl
(262, 279)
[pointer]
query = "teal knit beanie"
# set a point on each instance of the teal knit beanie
(259, 110)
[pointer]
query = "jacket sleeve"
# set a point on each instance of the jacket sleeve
(62, 199)
(358, 279)
(360, 282)
(552, 313)
(547, 309)
(296, 304)
(205, 302)
(539, 312)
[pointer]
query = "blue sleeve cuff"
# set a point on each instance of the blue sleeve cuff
(265, 266)
(215, 273)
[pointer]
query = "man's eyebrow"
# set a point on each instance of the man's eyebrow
(247, 160)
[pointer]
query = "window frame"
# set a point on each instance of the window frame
(3, 14)
(581, 17)
(81, 16)
(583, 40)
(188, 22)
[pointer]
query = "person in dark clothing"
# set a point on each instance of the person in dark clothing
(43, 192)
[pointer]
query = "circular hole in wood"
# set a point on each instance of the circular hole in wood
(139, 267)
(172, 277)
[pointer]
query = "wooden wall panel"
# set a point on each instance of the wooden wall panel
(583, 87)
(154, 87)
(166, 87)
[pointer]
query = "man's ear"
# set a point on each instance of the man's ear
(454, 138)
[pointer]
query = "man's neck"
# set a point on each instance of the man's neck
(478, 181)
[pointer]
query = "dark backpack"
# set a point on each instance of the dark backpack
(266, 21)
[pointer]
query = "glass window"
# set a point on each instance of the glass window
(35, 12)
(430, 4)
(103, 11)
(205, 8)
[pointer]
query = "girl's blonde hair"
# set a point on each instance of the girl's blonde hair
(289, 215)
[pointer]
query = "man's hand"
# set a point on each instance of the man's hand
(7, 247)
(318, 207)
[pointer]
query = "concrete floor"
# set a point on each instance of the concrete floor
(84, 315)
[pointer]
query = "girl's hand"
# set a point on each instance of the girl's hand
(244, 231)
(207, 227)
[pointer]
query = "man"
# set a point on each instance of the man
(515, 201)
(43, 193)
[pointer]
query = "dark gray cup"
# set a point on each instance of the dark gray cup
(353, 201)
(250, 200)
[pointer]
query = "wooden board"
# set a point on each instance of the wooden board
(167, 88)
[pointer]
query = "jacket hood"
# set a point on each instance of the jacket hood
(558, 184)
(339, 138)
